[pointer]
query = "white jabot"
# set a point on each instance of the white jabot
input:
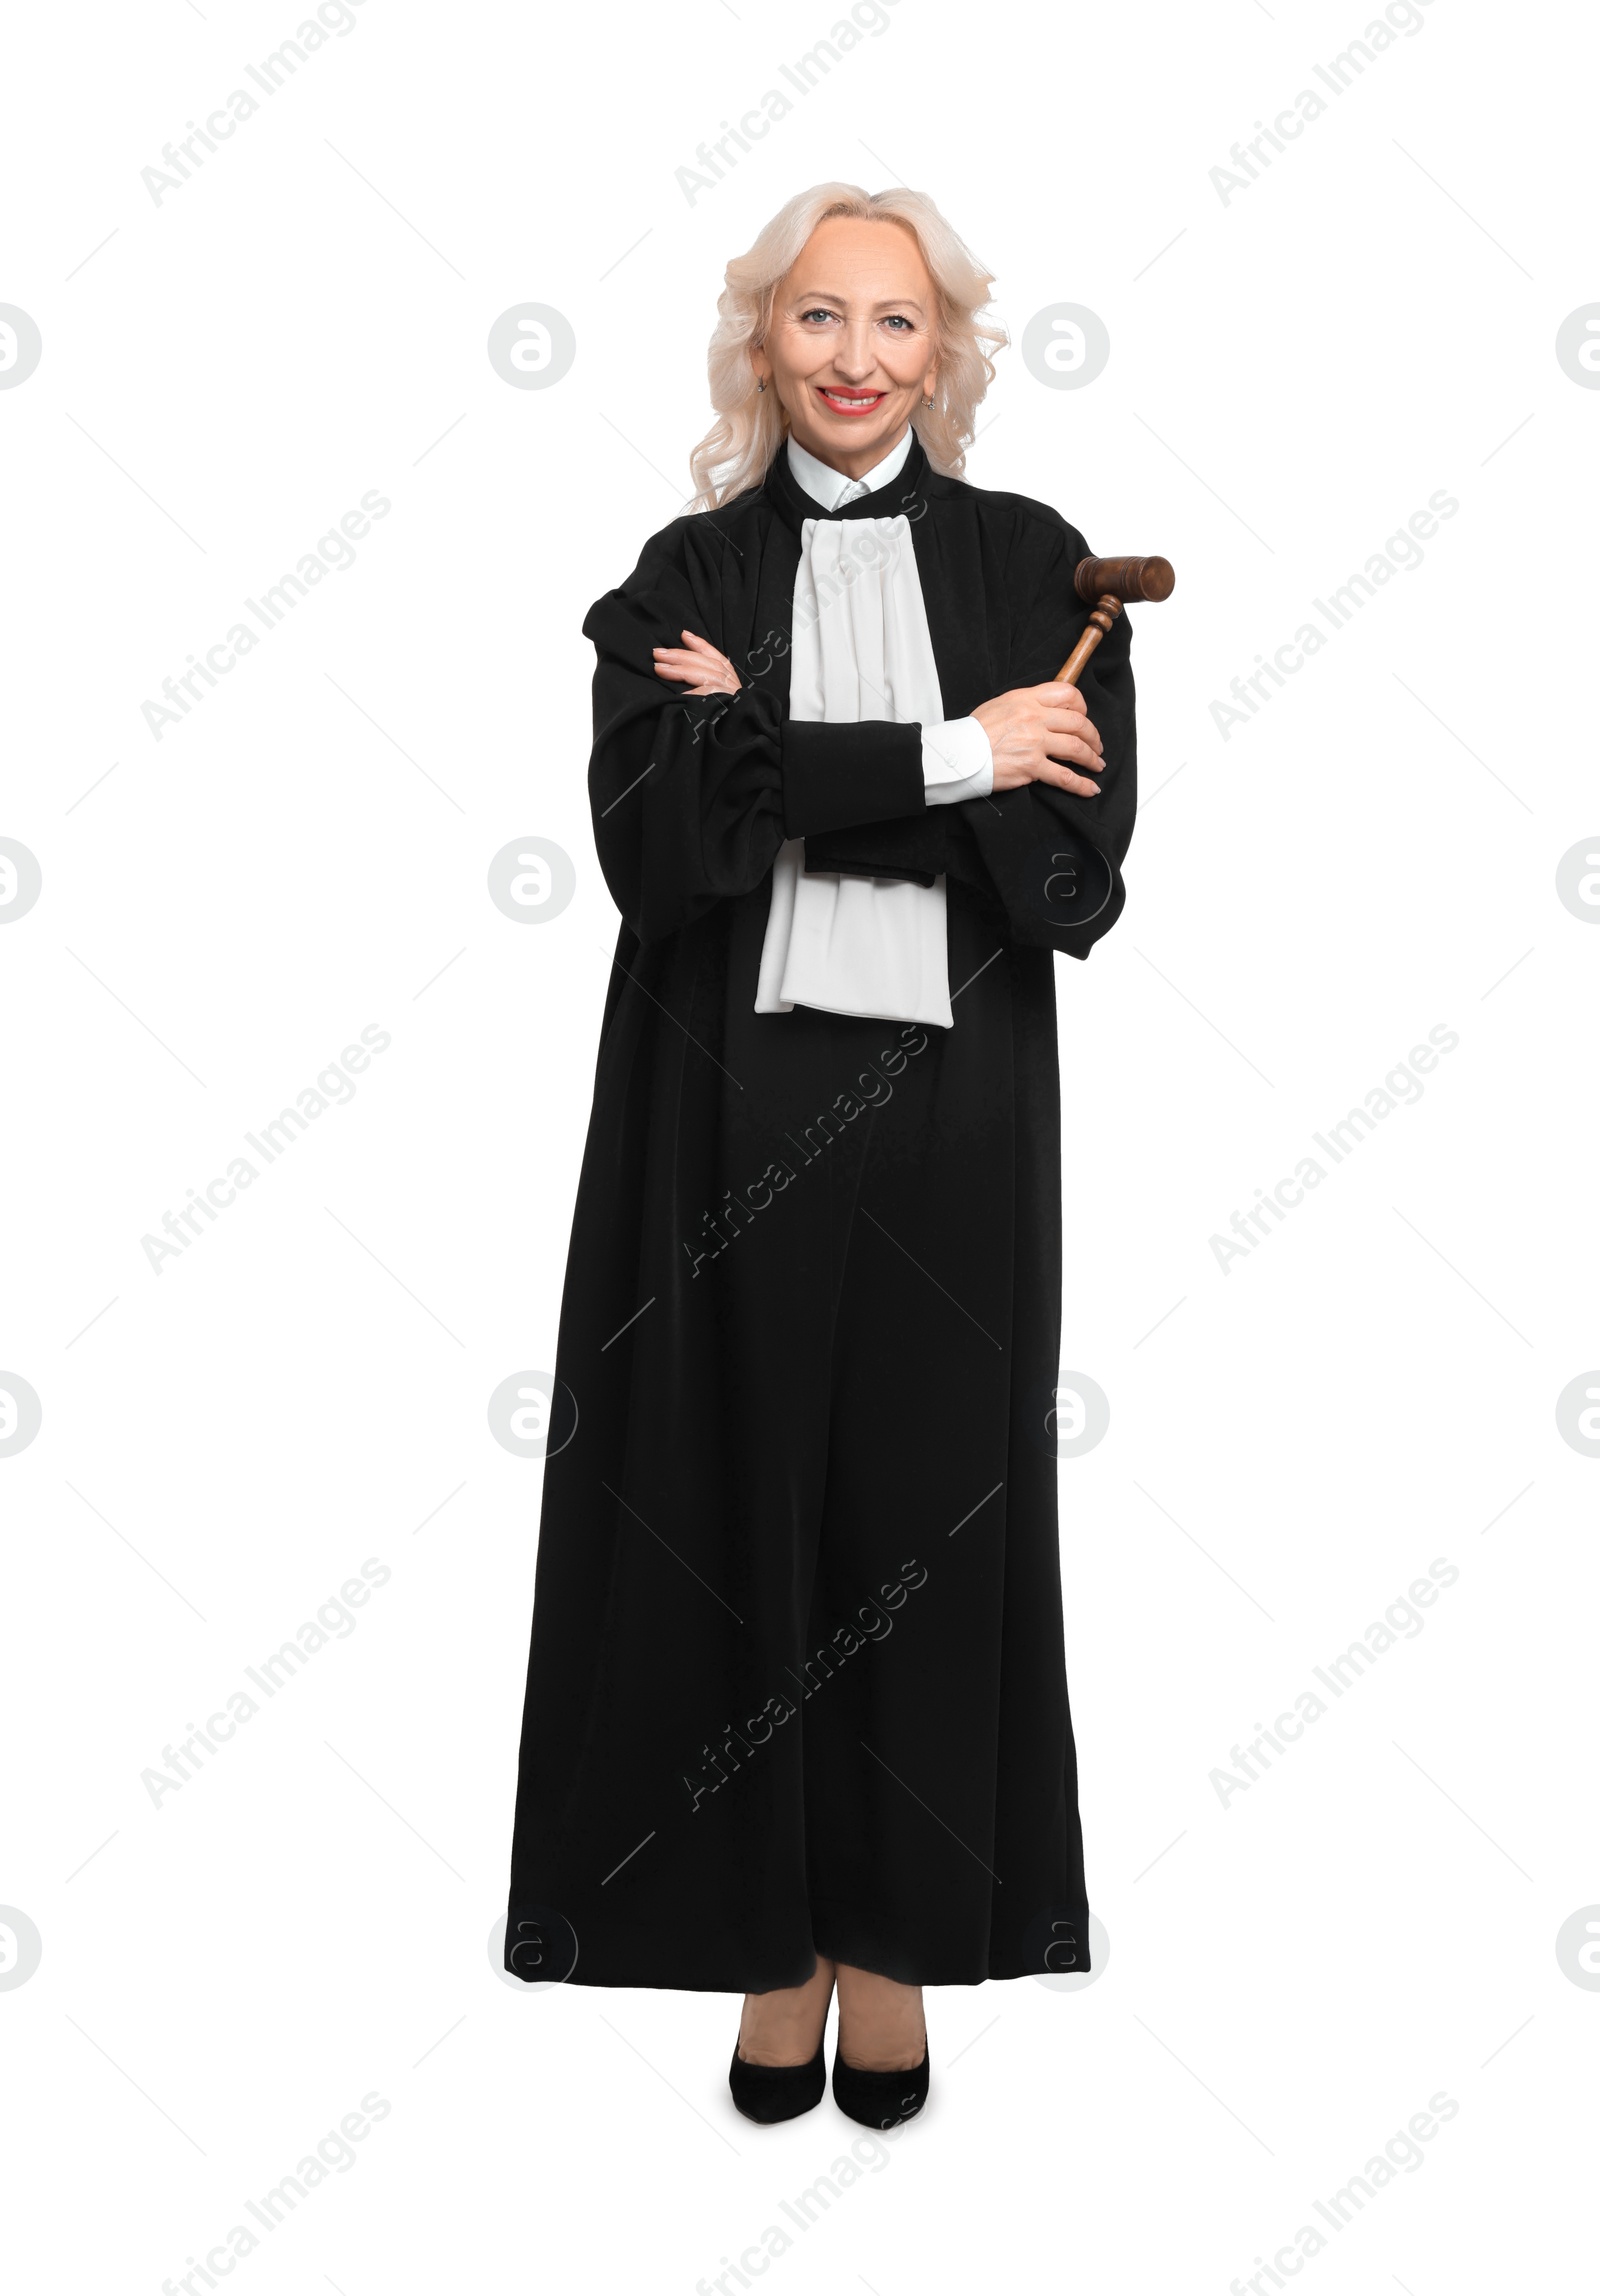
(861, 649)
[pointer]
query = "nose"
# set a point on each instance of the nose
(855, 356)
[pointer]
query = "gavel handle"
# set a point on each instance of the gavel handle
(1105, 612)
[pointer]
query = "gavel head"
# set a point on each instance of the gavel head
(1126, 579)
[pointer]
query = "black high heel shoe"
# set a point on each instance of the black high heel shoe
(776, 2092)
(880, 2100)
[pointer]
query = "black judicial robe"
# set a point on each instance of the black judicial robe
(797, 1681)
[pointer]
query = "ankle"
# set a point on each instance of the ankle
(784, 2027)
(882, 2027)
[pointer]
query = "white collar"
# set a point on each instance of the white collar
(831, 487)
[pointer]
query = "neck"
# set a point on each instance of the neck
(853, 462)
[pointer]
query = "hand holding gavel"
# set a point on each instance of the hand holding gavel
(1038, 733)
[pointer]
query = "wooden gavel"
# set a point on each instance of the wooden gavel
(1106, 585)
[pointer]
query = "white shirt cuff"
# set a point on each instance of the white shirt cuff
(957, 761)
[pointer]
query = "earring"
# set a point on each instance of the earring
(927, 402)
(760, 385)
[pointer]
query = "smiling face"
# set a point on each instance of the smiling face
(852, 347)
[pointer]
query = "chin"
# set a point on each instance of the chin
(862, 435)
(856, 432)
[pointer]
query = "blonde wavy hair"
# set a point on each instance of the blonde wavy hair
(751, 425)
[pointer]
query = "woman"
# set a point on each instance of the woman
(797, 1711)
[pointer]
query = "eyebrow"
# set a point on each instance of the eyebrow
(889, 303)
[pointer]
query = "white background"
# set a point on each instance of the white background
(1293, 372)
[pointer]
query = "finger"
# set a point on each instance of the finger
(696, 677)
(696, 680)
(1055, 695)
(693, 650)
(1064, 746)
(707, 655)
(691, 665)
(1062, 777)
(1081, 728)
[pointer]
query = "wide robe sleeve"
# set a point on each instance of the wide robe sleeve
(1049, 863)
(692, 795)
(1054, 858)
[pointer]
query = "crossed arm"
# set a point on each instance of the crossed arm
(1035, 733)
